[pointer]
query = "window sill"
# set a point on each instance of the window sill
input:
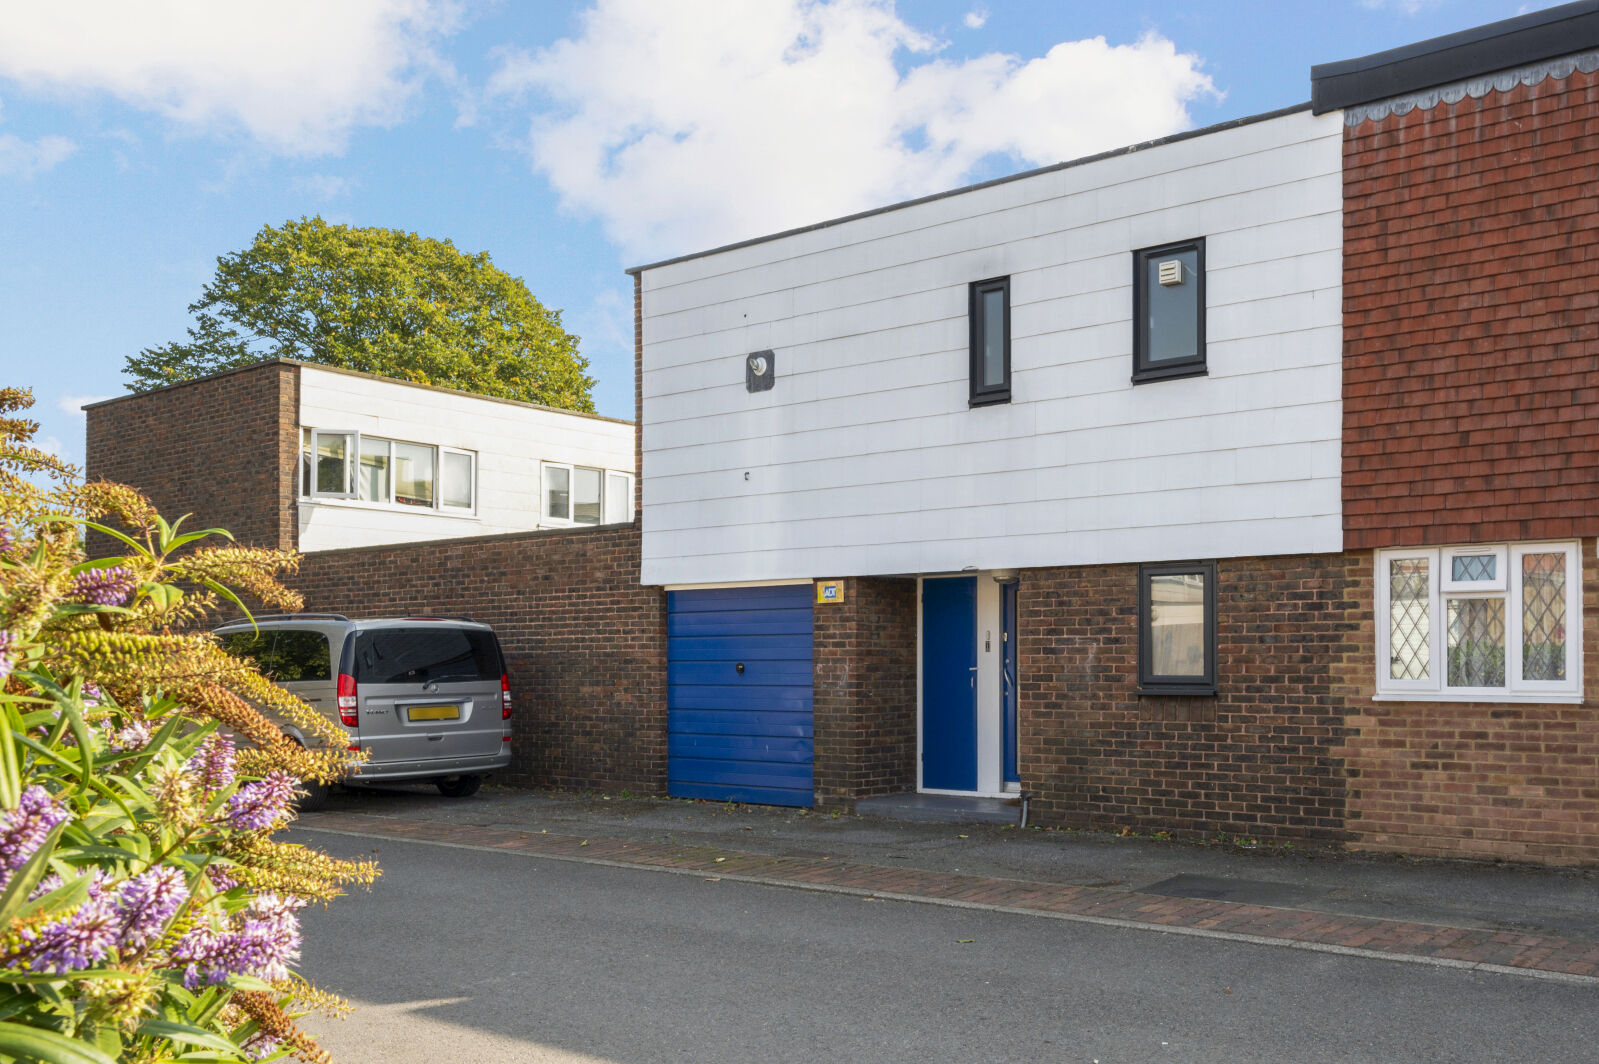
(1164, 690)
(1171, 373)
(389, 508)
(989, 399)
(1479, 699)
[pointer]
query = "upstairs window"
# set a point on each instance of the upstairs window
(1169, 311)
(583, 495)
(1500, 623)
(989, 315)
(341, 464)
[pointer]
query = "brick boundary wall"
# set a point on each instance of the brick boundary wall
(1259, 758)
(225, 448)
(585, 643)
(865, 692)
(1514, 781)
(1471, 320)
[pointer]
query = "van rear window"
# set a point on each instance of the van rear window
(426, 655)
(284, 655)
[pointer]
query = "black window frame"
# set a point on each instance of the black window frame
(1166, 369)
(1150, 683)
(981, 394)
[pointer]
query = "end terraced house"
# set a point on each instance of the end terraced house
(1244, 481)
(1240, 481)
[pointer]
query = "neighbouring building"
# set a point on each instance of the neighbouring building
(292, 455)
(1242, 481)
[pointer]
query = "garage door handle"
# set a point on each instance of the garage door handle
(739, 668)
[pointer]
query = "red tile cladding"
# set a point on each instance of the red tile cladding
(1471, 320)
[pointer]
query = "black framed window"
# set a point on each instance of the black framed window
(989, 314)
(1177, 628)
(1169, 311)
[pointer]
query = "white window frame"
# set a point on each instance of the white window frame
(606, 518)
(388, 469)
(1501, 568)
(625, 518)
(471, 476)
(352, 448)
(352, 471)
(1440, 588)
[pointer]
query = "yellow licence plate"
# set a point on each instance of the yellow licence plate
(433, 713)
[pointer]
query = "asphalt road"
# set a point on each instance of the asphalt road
(461, 955)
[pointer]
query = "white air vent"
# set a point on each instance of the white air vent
(1171, 272)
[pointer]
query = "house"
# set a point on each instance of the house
(1242, 481)
(304, 457)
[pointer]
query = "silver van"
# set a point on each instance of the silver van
(428, 698)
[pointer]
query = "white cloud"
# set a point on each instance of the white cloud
(686, 125)
(296, 75)
(24, 158)
(976, 18)
(72, 405)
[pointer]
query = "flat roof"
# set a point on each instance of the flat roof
(1514, 42)
(1053, 167)
(353, 373)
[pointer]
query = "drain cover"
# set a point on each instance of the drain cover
(1247, 891)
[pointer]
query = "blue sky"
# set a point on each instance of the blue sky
(138, 142)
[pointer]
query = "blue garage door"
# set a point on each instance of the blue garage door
(739, 695)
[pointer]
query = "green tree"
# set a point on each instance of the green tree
(379, 301)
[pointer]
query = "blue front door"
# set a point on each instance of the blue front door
(949, 683)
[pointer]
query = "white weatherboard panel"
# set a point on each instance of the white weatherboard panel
(865, 457)
(511, 440)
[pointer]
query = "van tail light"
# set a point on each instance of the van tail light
(505, 696)
(349, 701)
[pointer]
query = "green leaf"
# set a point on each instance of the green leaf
(186, 1035)
(31, 1043)
(113, 533)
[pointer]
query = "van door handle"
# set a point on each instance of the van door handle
(435, 738)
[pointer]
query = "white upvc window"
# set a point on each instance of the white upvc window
(346, 465)
(618, 498)
(457, 480)
(585, 495)
(1497, 623)
(333, 463)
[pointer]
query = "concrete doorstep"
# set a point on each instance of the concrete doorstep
(1222, 906)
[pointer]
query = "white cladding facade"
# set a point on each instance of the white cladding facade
(509, 442)
(865, 458)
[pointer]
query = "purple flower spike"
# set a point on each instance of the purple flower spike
(24, 829)
(260, 805)
(212, 763)
(8, 539)
(146, 902)
(260, 1046)
(74, 942)
(263, 942)
(132, 737)
(102, 587)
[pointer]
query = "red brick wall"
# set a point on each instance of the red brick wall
(1474, 780)
(865, 692)
(1471, 320)
(224, 449)
(585, 644)
(1259, 758)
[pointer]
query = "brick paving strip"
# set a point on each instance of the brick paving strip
(1539, 956)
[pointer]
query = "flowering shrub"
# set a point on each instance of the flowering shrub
(146, 912)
